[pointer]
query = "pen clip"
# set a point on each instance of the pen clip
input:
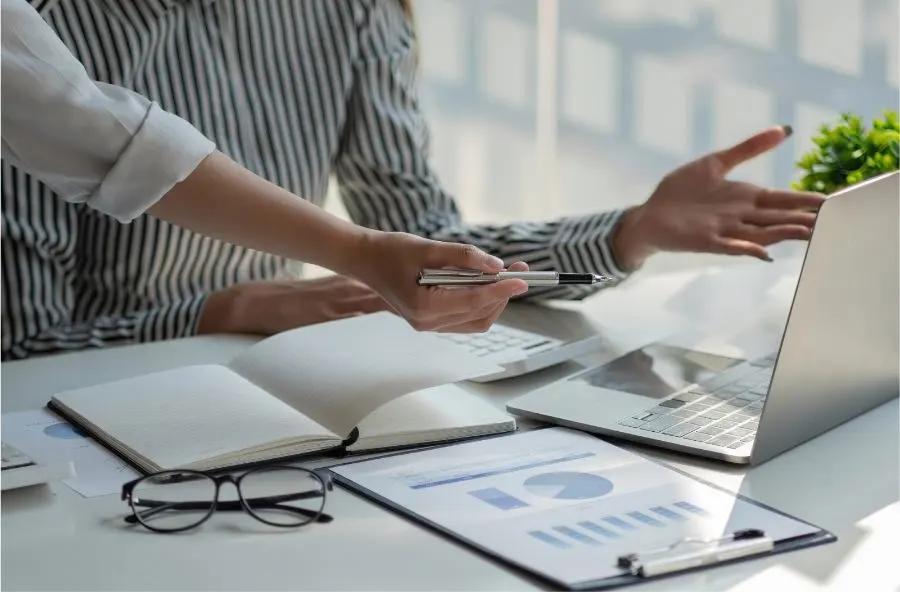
(689, 553)
(460, 273)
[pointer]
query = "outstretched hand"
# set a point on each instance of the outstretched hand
(695, 208)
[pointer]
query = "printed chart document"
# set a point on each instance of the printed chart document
(559, 503)
(47, 438)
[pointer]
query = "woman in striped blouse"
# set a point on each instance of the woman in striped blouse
(298, 91)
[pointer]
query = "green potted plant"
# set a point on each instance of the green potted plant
(849, 152)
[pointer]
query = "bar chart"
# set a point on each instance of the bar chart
(604, 530)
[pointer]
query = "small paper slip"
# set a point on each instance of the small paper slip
(575, 510)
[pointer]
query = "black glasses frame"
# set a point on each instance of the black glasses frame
(151, 507)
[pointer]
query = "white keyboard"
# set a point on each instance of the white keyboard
(502, 344)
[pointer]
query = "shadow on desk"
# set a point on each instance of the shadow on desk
(834, 481)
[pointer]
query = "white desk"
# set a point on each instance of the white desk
(845, 481)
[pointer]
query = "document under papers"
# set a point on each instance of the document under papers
(561, 503)
(46, 438)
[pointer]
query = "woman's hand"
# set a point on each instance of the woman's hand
(390, 264)
(695, 208)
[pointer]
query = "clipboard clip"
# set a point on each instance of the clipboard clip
(689, 553)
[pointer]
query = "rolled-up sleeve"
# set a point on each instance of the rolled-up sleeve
(90, 142)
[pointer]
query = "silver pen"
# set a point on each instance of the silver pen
(461, 277)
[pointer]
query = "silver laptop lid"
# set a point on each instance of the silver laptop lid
(840, 352)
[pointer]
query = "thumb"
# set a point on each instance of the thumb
(464, 257)
(752, 147)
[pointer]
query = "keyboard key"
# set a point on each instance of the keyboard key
(696, 436)
(730, 389)
(756, 404)
(658, 425)
(712, 415)
(710, 431)
(682, 413)
(675, 404)
(722, 441)
(751, 425)
(680, 429)
(760, 389)
(739, 432)
(645, 415)
(686, 397)
(748, 396)
(725, 424)
(736, 444)
(631, 423)
(699, 405)
(480, 342)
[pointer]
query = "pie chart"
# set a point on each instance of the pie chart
(568, 485)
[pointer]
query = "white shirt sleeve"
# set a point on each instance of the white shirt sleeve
(90, 142)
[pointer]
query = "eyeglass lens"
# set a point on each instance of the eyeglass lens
(173, 500)
(280, 496)
(283, 496)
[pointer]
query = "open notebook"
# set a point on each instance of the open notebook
(364, 383)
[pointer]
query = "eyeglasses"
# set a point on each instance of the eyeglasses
(174, 501)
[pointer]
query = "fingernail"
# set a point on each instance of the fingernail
(495, 261)
(769, 259)
(521, 289)
(788, 131)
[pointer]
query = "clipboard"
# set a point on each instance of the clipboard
(688, 555)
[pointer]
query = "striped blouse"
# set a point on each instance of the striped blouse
(298, 92)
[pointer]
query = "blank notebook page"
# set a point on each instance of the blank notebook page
(182, 416)
(339, 372)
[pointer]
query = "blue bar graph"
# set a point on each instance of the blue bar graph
(577, 536)
(549, 539)
(619, 523)
(667, 513)
(691, 508)
(641, 517)
(498, 499)
(597, 529)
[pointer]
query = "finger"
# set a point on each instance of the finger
(450, 301)
(752, 147)
(780, 217)
(790, 200)
(769, 235)
(462, 256)
(518, 266)
(739, 247)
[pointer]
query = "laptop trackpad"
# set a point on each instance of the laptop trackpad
(657, 371)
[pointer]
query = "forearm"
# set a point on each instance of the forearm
(223, 200)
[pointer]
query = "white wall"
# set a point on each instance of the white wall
(541, 108)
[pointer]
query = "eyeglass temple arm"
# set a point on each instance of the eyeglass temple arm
(271, 502)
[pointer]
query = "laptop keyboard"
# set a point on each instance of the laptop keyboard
(722, 411)
(502, 344)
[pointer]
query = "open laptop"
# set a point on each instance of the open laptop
(531, 337)
(838, 357)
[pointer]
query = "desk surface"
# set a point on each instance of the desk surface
(845, 481)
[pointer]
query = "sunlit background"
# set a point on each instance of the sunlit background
(543, 108)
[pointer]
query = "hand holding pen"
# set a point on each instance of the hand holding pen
(462, 277)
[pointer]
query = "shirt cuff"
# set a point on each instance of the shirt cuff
(174, 321)
(583, 244)
(165, 150)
